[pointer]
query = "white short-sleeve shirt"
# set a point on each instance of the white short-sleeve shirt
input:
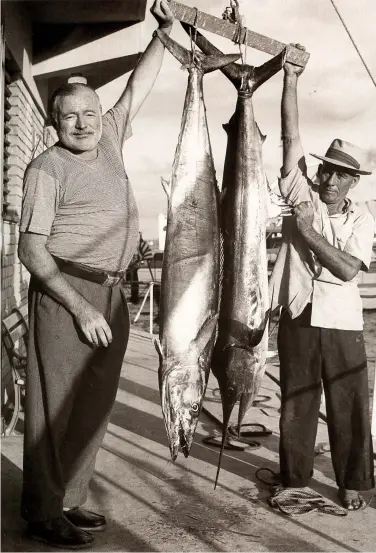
(297, 280)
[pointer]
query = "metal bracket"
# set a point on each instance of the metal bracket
(229, 30)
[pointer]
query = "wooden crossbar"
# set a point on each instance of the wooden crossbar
(229, 30)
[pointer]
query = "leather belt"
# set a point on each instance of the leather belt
(110, 278)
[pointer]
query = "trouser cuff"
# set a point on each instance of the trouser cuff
(294, 482)
(359, 485)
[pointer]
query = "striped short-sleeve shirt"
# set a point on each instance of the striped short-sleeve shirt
(86, 208)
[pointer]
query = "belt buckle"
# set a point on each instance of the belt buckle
(111, 280)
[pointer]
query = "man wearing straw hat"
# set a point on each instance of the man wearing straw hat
(320, 336)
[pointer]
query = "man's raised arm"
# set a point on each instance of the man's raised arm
(144, 74)
(292, 147)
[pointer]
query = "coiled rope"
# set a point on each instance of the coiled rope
(295, 502)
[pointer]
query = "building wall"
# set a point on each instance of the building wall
(24, 136)
(25, 139)
(19, 39)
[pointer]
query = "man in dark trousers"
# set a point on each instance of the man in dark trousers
(79, 229)
(320, 336)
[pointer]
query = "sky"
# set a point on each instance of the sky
(337, 98)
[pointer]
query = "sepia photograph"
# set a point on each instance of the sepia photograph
(188, 275)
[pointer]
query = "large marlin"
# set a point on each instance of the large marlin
(239, 356)
(190, 273)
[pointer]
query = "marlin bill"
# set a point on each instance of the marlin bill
(190, 272)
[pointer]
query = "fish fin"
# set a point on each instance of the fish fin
(245, 402)
(259, 333)
(232, 70)
(205, 333)
(246, 337)
(262, 136)
(211, 63)
(178, 51)
(166, 187)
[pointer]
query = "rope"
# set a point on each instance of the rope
(193, 40)
(232, 14)
(296, 502)
(353, 41)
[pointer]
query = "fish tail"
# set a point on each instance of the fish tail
(212, 63)
(265, 71)
(231, 70)
(208, 64)
(178, 51)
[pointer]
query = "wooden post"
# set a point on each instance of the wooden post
(2, 84)
(151, 306)
(229, 30)
(373, 427)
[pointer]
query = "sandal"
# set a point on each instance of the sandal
(348, 503)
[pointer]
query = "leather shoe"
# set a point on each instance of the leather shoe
(60, 533)
(86, 520)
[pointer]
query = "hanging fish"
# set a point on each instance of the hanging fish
(190, 272)
(239, 356)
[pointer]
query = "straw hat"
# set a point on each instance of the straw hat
(346, 155)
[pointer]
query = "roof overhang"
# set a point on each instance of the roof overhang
(62, 25)
(97, 73)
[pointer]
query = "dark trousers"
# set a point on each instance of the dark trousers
(310, 356)
(71, 388)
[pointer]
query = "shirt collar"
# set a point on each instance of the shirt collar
(347, 208)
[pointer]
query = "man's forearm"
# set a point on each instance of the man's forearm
(341, 264)
(289, 107)
(144, 75)
(42, 266)
(292, 148)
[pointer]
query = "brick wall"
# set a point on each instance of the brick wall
(25, 137)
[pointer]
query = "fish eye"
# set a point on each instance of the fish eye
(194, 408)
